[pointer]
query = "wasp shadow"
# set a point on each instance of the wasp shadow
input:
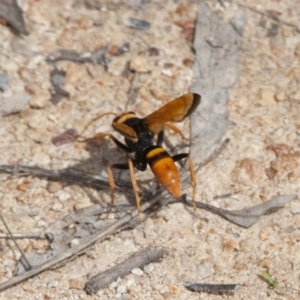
(102, 153)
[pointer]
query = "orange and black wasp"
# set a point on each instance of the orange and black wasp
(139, 138)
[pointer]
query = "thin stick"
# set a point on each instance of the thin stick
(27, 264)
(26, 235)
(67, 174)
(212, 288)
(137, 260)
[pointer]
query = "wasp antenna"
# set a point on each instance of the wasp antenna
(95, 119)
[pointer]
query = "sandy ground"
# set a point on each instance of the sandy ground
(262, 159)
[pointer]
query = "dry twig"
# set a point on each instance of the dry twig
(137, 260)
(212, 288)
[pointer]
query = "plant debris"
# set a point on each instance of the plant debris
(138, 260)
(138, 24)
(213, 288)
(97, 57)
(13, 15)
(57, 78)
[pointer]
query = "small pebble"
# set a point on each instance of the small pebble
(83, 202)
(74, 242)
(125, 297)
(121, 289)
(54, 186)
(130, 282)
(57, 206)
(36, 149)
(137, 272)
(52, 284)
(280, 96)
(38, 101)
(167, 295)
(149, 269)
(266, 96)
(14, 104)
(265, 263)
(174, 289)
(205, 269)
(167, 72)
(98, 22)
(239, 266)
(34, 123)
(286, 32)
(76, 284)
(58, 77)
(123, 49)
(295, 210)
(22, 187)
(138, 24)
(139, 64)
(74, 72)
(41, 223)
(63, 196)
(33, 213)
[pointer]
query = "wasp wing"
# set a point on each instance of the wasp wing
(175, 111)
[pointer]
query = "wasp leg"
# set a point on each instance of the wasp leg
(100, 136)
(193, 180)
(176, 130)
(134, 184)
(180, 156)
(112, 186)
(192, 172)
(160, 138)
(130, 166)
(136, 189)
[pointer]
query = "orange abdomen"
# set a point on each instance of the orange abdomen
(165, 170)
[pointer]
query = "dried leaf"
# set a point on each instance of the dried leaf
(216, 69)
(248, 216)
(68, 136)
(13, 15)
